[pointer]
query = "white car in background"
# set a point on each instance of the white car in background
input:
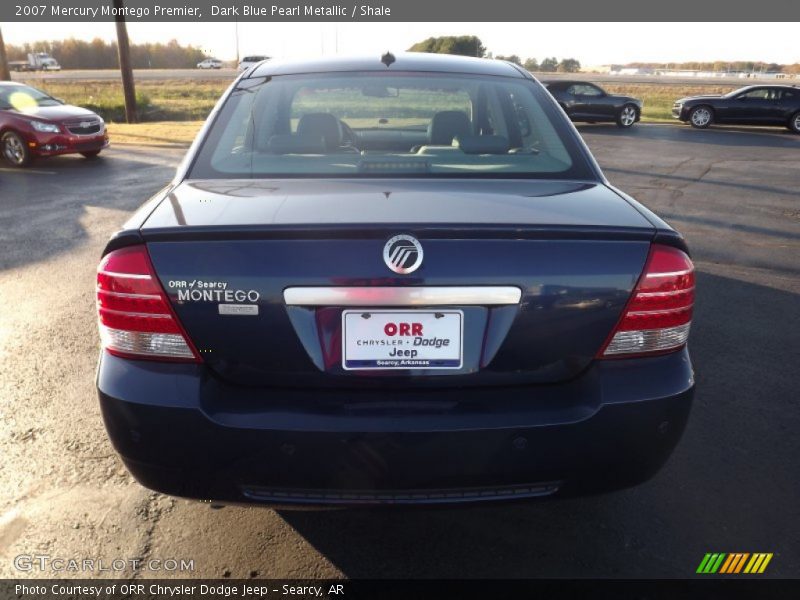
(249, 61)
(210, 63)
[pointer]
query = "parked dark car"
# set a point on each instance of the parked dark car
(34, 124)
(584, 101)
(751, 105)
(394, 281)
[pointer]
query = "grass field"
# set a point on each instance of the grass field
(168, 100)
(157, 133)
(171, 110)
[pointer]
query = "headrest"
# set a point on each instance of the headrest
(324, 125)
(446, 125)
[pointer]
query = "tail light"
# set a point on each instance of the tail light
(135, 317)
(659, 313)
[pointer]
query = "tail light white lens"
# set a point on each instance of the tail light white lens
(135, 316)
(659, 314)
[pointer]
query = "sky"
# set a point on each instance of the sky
(591, 43)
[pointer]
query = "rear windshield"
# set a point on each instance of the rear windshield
(390, 124)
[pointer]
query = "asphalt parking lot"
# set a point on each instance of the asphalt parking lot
(731, 486)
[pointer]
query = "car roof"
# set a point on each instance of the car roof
(405, 61)
(783, 86)
(13, 83)
(565, 82)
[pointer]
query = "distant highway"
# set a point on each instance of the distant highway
(667, 80)
(156, 74)
(104, 74)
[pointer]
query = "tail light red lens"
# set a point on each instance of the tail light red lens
(135, 316)
(659, 314)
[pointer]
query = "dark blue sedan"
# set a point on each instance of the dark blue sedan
(393, 280)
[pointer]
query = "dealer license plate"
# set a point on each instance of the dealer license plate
(397, 339)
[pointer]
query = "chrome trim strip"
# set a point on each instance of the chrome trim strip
(661, 311)
(671, 273)
(128, 313)
(124, 295)
(662, 294)
(125, 275)
(371, 296)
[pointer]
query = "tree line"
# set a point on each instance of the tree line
(471, 45)
(99, 54)
(548, 65)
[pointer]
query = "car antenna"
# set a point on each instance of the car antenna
(388, 59)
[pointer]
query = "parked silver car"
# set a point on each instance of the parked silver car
(210, 63)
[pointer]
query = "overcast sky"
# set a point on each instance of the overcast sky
(590, 43)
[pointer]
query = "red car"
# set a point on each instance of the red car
(33, 124)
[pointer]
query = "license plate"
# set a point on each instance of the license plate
(393, 339)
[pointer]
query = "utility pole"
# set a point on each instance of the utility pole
(124, 52)
(236, 33)
(4, 74)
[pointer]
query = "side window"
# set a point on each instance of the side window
(790, 95)
(585, 89)
(523, 121)
(497, 124)
(758, 94)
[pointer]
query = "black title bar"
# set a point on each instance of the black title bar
(18, 11)
(705, 588)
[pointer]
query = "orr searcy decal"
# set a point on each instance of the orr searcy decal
(211, 291)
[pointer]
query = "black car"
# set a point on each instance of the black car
(396, 281)
(584, 101)
(751, 105)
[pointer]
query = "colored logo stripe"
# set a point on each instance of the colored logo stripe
(710, 563)
(734, 563)
(758, 563)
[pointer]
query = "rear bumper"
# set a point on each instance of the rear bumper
(183, 432)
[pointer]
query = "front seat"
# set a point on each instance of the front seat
(446, 125)
(324, 125)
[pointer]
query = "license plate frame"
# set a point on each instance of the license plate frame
(430, 357)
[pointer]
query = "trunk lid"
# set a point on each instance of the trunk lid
(573, 249)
